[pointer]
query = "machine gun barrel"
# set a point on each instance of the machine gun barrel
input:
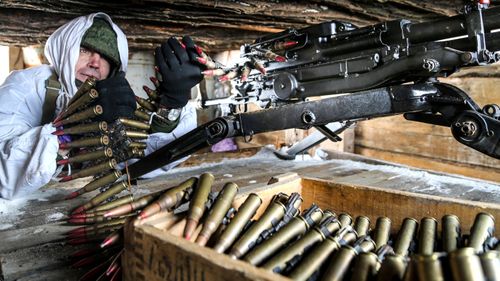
(451, 26)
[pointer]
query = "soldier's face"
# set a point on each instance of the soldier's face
(91, 64)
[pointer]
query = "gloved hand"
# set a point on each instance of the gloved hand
(180, 71)
(116, 98)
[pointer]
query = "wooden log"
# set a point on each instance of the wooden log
(217, 26)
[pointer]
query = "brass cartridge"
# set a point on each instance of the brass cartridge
(365, 267)
(405, 236)
(490, 262)
(341, 261)
(134, 124)
(115, 203)
(169, 199)
(274, 212)
(93, 141)
(86, 114)
(320, 252)
(450, 233)
(99, 168)
(142, 115)
(327, 226)
(197, 205)
(106, 152)
(81, 102)
(362, 225)
(296, 227)
(98, 199)
(146, 104)
(482, 229)
(217, 213)
(393, 267)
(245, 213)
(427, 236)
(140, 145)
(84, 128)
(135, 205)
(100, 182)
(152, 94)
(428, 266)
(84, 88)
(466, 265)
(382, 231)
(136, 134)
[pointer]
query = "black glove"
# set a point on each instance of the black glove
(116, 98)
(180, 71)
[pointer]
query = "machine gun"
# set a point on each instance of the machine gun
(380, 70)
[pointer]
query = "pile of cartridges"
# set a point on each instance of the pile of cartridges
(320, 245)
(96, 148)
(101, 232)
(313, 244)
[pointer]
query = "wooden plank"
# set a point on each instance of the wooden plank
(491, 174)
(397, 205)
(30, 262)
(148, 23)
(166, 257)
(32, 236)
(430, 146)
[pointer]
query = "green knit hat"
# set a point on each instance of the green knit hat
(101, 37)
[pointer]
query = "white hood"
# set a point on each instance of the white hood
(63, 48)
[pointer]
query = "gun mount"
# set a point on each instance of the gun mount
(384, 69)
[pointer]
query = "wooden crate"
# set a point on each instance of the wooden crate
(152, 253)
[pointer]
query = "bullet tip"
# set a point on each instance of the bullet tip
(105, 243)
(78, 210)
(62, 162)
(142, 215)
(198, 50)
(76, 220)
(280, 59)
(190, 227)
(72, 195)
(201, 60)
(66, 178)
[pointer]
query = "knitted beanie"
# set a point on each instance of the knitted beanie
(101, 38)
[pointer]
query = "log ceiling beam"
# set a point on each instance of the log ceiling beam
(215, 25)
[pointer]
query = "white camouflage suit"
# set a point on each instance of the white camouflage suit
(28, 150)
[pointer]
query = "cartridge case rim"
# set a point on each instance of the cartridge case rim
(429, 218)
(383, 218)
(450, 216)
(487, 214)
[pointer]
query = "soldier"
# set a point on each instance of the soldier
(88, 46)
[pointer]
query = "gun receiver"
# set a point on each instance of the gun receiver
(380, 70)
